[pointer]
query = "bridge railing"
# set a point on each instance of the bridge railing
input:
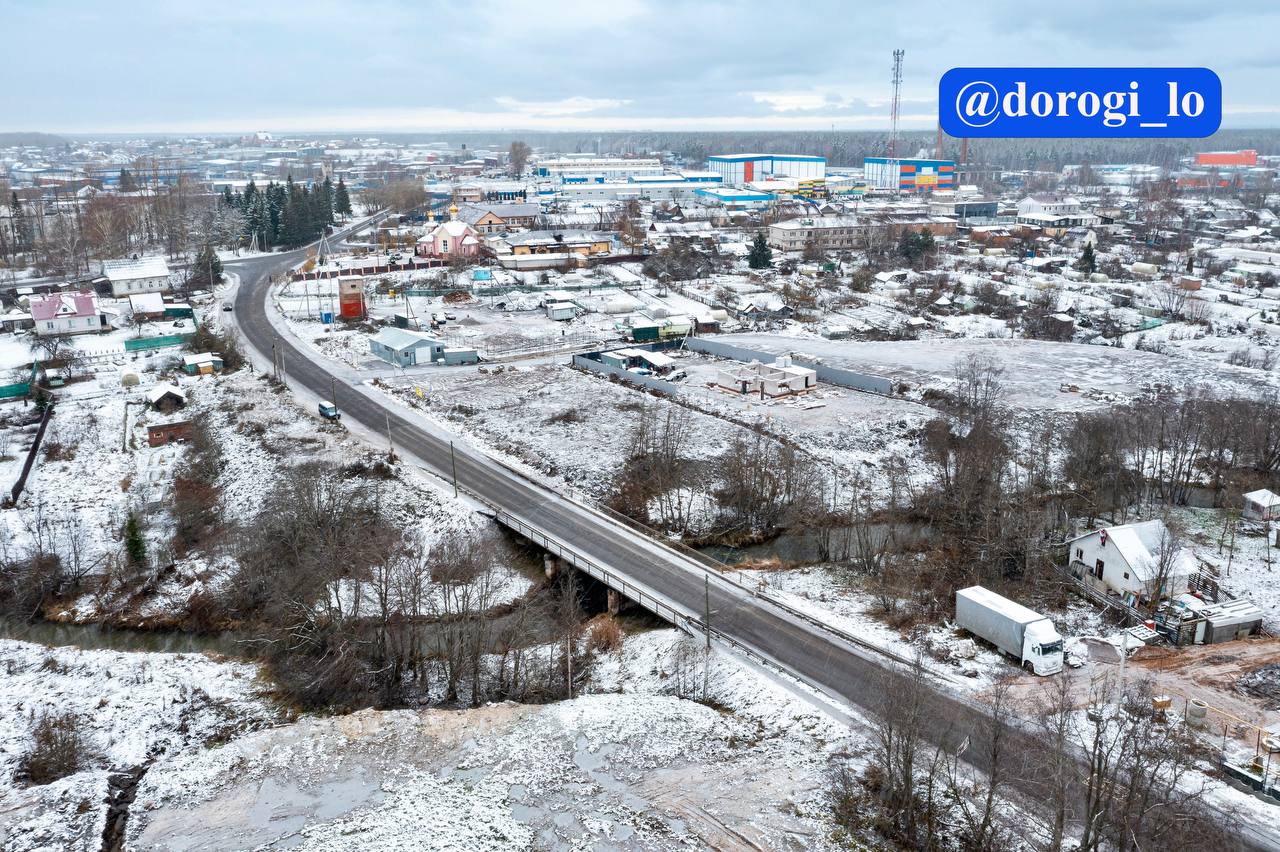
(630, 589)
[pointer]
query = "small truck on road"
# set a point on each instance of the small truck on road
(1023, 634)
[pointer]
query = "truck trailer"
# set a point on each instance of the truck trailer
(1021, 633)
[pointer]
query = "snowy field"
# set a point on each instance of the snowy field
(132, 707)
(632, 767)
(1034, 370)
(573, 428)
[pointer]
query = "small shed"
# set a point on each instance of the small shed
(642, 332)
(1230, 620)
(166, 397)
(202, 364)
(458, 355)
(560, 311)
(159, 434)
(1262, 505)
(405, 348)
(147, 306)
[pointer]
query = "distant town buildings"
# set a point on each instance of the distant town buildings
(909, 175)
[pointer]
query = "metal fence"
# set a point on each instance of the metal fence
(650, 382)
(826, 373)
(140, 343)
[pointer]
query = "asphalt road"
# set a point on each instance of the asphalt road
(870, 684)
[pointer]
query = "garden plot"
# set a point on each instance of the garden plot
(96, 467)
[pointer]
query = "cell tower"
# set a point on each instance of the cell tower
(894, 165)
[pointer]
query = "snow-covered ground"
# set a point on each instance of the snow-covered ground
(633, 766)
(1249, 570)
(573, 428)
(131, 707)
(105, 468)
(1034, 370)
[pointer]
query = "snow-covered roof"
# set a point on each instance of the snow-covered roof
(160, 391)
(130, 269)
(399, 339)
(146, 303)
(200, 358)
(1263, 497)
(656, 359)
(1139, 544)
(453, 228)
(64, 305)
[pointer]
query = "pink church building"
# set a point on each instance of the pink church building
(453, 238)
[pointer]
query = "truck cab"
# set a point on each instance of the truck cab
(1042, 648)
(329, 411)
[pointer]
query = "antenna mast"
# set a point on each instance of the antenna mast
(895, 167)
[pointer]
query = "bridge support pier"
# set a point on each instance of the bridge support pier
(614, 601)
(553, 566)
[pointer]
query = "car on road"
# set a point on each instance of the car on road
(329, 411)
(227, 307)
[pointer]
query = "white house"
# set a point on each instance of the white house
(137, 275)
(1057, 212)
(1130, 558)
(66, 313)
(1262, 505)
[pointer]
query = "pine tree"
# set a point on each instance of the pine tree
(1087, 263)
(135, 546)
(326, 189)
(760, 256)
(227, 198)
(341, 199)
(127, 183)
(207, 269)
(23, 234)
(275, 209)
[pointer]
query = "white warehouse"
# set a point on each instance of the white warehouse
(742, 169)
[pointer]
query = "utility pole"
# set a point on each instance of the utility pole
(707, 610)
(333, 391)
(453, 462)
(391, 447)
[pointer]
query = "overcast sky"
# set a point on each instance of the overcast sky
(296, 65)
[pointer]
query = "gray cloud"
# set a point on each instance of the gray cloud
(325, 64)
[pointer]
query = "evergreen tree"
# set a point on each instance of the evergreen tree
(21, 225)
(275, 209)
(127, 182)
(341, 199)
(760, 256)
(206, 271)
(327, 207)
(135, 546)
(1087, 263)
(227, 198)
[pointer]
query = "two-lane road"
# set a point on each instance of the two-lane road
(846, 673)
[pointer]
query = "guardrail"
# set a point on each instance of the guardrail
(646, 598)
(721, 570)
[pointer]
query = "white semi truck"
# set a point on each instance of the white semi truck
(1021, 633)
